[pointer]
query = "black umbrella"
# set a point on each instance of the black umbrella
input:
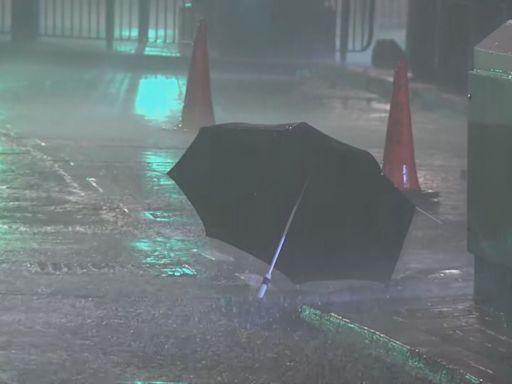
(326, 204)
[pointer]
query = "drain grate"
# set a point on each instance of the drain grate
(62, 268)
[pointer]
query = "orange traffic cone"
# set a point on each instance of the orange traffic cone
(399, 163)
(197, 109)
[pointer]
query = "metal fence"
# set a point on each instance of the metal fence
(5, 16)
(84, 19)
(361, 25)
(158, 21)
(354, 26)
(155, 21)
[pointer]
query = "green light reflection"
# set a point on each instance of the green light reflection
(161, 250)
(160, 98)
(183, 271)
(168, 256)
(158, 163)
(158, 36)
(151, 49)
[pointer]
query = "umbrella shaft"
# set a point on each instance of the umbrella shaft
(286, 229)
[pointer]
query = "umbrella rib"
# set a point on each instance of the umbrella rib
(268, 276)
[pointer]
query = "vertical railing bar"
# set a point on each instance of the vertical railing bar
(72, 18)
(48, 5)
(122, 17)
(157, 14)
(144, 21)
(365, 22)
(122, 12)
(130, 16)
(89, 21)
(54, 17)
(116, 17)
(345, 13)
(69, 17)
(80, 15)
(166, 11)
(62, 17)
(354, 23)
(175, 22)
(120, 20)
(98, 18)
(109, 19)
(42, 17)
(4, 22)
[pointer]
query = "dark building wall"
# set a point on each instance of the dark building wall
(441, 35)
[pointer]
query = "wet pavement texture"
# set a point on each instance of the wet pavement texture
(105, 273)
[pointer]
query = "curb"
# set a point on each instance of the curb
(380, 83)
(413, 360)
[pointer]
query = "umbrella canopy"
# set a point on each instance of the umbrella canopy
(244, 180)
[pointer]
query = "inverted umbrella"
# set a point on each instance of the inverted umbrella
(289, 191)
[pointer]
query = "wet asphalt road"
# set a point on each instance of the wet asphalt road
(105, 273)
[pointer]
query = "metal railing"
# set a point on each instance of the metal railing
(354, 26)
(85, 19)
(156, 21)
(362, 15)
(5, 16)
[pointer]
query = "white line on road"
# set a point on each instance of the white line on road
(429, 215)
(93, 182)
(49, 161)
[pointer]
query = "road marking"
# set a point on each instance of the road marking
(429, 215)
(93, 182)
(480, 367)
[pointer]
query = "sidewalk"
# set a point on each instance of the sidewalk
(445, 339)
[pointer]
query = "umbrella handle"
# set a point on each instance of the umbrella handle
(268, 276)
(263, 287)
